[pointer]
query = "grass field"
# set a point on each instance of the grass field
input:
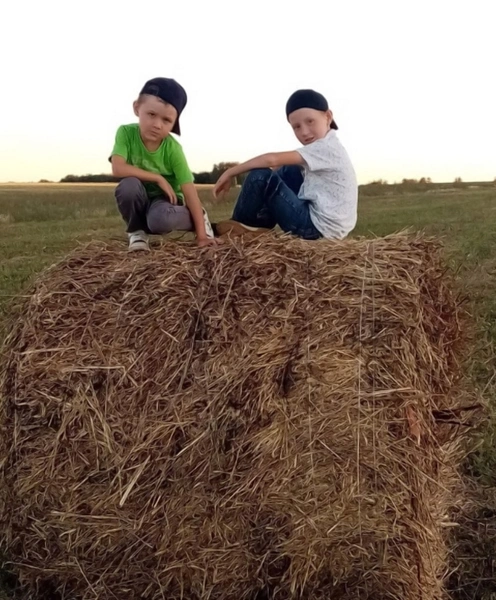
(40, 223)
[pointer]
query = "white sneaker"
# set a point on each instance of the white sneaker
(138, 240)
(208, 225)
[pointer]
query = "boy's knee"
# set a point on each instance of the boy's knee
(162, 218)
(129, 188)
(159, 223)
(259, 175)
(263, 181)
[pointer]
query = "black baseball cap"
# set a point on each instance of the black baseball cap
(169, 91)
(308, 99)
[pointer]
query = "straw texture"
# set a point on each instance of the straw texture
(273, 419)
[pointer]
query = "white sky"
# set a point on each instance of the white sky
(411, 83)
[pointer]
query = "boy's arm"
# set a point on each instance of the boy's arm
(193, 203)
(120, 168)
(271, 160)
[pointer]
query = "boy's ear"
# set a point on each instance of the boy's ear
(330, 116)
(135, 107)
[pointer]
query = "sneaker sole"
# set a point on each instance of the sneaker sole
(139, 247)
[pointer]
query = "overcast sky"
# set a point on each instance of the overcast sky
(411, 84)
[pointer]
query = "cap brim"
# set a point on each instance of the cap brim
(176, 129)
(333, 125)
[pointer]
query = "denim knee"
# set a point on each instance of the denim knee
(129, 186)
(267, 178)
(258, 174)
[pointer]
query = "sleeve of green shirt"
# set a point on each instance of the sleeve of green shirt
(180, 166)
(121, 145)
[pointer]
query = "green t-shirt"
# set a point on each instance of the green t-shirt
(168, 159)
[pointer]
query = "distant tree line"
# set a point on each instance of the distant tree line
(380, 187)
(374, 188)
(203, 177)
(98, 178)
(216, 172)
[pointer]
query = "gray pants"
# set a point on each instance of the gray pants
(153, 216)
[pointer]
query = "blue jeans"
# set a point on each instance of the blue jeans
(269, 198)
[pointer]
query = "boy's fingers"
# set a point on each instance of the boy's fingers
(172, 197)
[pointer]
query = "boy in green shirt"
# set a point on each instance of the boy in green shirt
(157, 193)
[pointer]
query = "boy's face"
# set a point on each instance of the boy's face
(156, 119)
(309, 124)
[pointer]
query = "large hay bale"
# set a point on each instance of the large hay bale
(264, 421)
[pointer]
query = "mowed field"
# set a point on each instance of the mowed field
(39, 223)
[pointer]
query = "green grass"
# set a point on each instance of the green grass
(41, 223)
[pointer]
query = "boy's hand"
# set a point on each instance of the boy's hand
(223, 184)
(204, 242)
(166, 187)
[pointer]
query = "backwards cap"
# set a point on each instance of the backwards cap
(308, 99)
(169, 91)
